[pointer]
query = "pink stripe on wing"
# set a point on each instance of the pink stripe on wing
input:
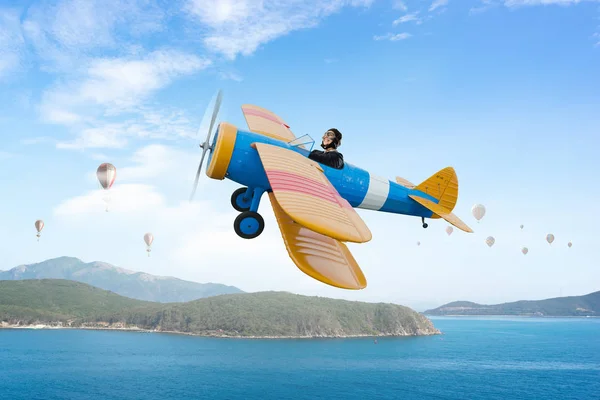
(257, 113)
(289, 181)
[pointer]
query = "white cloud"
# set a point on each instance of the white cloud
(136, 188)
(106, 136)
(154, 161)
(408, 18)
(37, 140)
(126, 198)
(65, 32)
(399, 5)
(112, 87)
(437, 4)
(167, 167)
(99, 157)
(241, 26)
(118, 83)
(486, 5)
(393, 37)
(11, 42)
(232, 76)
(105, 78)
(519, 3)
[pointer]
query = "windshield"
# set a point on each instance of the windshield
(302, 141)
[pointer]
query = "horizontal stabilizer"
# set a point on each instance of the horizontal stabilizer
(323, 258)
(442, 212)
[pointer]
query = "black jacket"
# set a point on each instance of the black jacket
(332, 159)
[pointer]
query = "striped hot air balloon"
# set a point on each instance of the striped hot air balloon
(106, 173)
(39, 225)
(148, 238)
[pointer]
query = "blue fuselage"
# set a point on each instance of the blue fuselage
(360, 188)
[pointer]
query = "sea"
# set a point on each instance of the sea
(475, 358)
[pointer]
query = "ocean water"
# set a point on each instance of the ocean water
(476, 358)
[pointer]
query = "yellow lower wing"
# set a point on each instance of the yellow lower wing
(442, 212)
(306, 195)
(318, 256)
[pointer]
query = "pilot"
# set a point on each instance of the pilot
(332, 139)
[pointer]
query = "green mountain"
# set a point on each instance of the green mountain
(572, 306)
(136, 285)
(266, 314)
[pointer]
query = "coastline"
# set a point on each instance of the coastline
(511, 316)
(122, 327)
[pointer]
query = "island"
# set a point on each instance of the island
(571, 306)
(59, 303)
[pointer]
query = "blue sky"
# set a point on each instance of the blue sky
(506, 92)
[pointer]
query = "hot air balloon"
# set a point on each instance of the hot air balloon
(418, 243)
(490, 241)
(478, 211)
(106, 173)
(550, 238)
(449, 230)
(521, 227)
(524, 250)
(569, 244)
(39, 225)
(148, 238)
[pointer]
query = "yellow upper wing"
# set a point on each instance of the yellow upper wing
(265, 122)
(319, 256)
(307, 196)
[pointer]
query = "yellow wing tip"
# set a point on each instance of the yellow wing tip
(457, 222)
(441, 212)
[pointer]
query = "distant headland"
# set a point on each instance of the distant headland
(572, 306)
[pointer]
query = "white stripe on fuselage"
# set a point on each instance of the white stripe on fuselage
(379, 188)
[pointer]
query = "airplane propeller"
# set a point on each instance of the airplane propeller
(205, 146)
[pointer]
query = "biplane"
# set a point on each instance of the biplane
(314, 204)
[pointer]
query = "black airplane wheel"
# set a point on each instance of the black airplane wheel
(239, 201)
(249, 225)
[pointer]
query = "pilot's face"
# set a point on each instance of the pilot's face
(328, 137)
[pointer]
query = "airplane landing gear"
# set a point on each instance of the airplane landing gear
(240, 201)
(423, 221)
(249, 224)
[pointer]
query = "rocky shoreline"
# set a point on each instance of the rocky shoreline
(215, 334)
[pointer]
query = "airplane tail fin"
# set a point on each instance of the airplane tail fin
(443, 186)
